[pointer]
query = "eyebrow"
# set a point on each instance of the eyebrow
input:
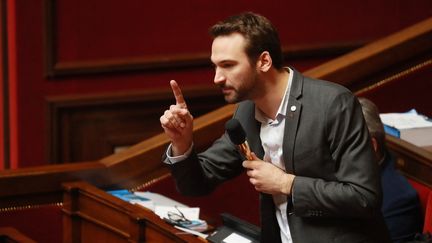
(223, 62)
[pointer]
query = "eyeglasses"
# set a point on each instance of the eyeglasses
(178, 217)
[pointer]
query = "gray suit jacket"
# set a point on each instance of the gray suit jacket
(336, 192)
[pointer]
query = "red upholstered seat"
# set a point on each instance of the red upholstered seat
(425, 196)
(428, 215)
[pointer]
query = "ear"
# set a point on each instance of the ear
(264, 62)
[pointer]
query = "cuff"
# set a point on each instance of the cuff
(175, 159)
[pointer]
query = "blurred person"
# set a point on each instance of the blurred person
(401, 207)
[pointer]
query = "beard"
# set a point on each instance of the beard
(247, 89)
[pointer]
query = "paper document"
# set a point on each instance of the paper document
(156, 199)
(405, 120)
(410, 126)
(236, 238)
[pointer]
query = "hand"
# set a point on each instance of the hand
(268, 178)
(177, 122)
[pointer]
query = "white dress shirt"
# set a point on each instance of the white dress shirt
(271, 134)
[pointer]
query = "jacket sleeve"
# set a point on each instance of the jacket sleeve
(200, 173)
(355, 190)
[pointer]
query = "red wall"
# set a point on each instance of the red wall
(101, 32)
(2, 112)
(410, 91)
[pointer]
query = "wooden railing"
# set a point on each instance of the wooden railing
(140, 164)
(12, 235)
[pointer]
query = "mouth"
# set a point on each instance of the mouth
(226, 90)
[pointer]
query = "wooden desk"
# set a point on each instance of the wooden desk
(92, 215)
(428, 148)
(413, 161)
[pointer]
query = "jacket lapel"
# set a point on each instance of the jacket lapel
(291, 121)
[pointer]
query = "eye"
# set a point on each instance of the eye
(228, 65)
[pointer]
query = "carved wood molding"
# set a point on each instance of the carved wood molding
(112, 219)
(55, 68)
(10, 234)
(379, 55)
(412, 160)
(89, 127)
(404, 73)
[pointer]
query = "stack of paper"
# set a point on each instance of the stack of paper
(410, 126)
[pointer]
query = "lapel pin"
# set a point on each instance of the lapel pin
(293, 108)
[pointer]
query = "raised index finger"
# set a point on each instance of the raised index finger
(178, 94)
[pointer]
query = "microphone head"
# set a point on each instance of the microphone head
(235, 131)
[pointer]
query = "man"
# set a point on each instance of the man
(401, 206)
(312, 163)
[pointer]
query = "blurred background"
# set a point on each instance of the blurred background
(83, 79)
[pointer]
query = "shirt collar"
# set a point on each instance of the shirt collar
(281, 113)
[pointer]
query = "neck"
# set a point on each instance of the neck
(274, 85)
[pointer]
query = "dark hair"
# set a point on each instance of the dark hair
(259, 33)
(373, 121)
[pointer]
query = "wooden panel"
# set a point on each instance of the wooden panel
(415, 162)
(133, 42)
(88, 127)
(92, 215)
(11, 235)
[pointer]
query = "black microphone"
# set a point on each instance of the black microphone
(237, 136)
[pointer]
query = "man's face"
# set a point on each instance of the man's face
(233, 72)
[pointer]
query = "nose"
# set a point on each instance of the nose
(219, 76)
